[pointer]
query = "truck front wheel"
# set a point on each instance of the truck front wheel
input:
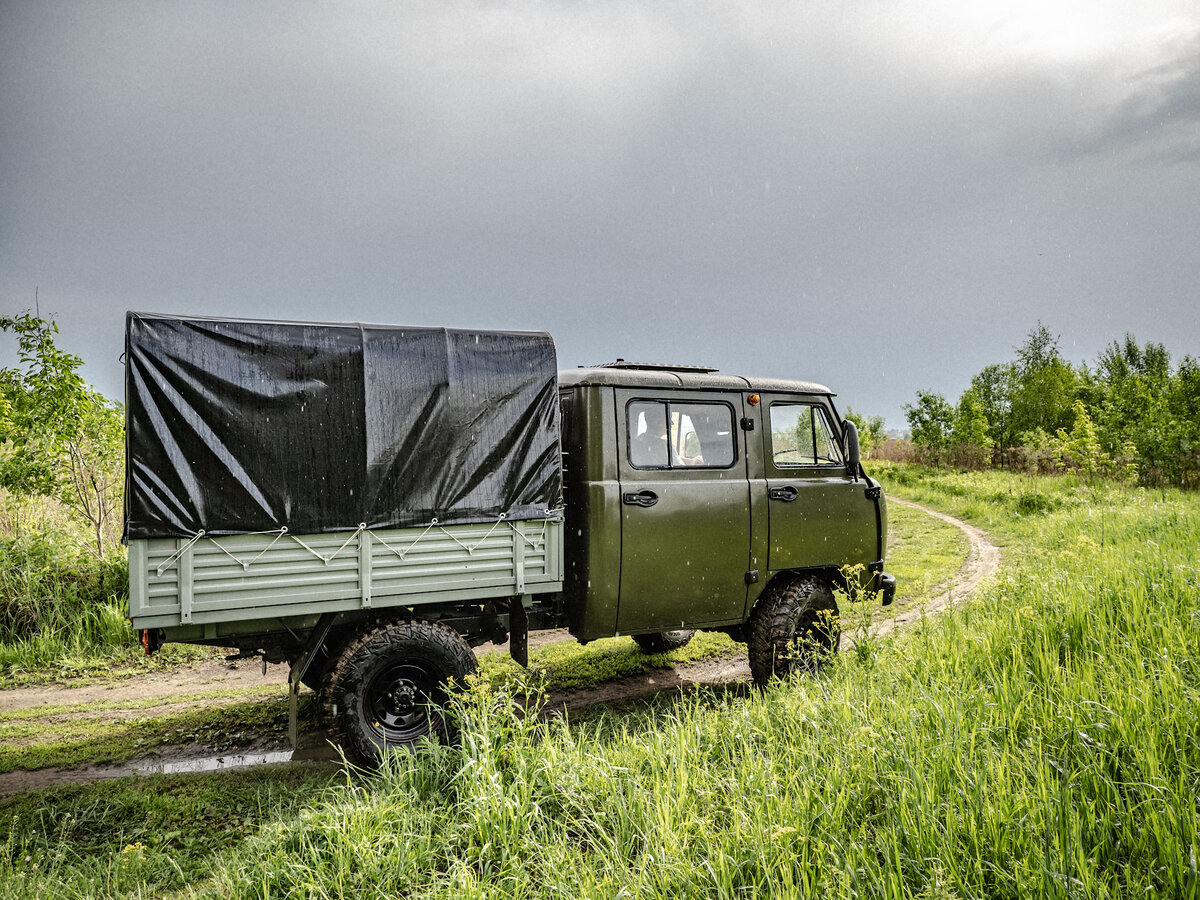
(795, 628)
(663, 641)
(389, 686)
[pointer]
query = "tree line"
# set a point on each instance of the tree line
(1131, 415)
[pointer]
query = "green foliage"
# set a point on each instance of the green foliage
(931, 420)
(61, 598)
(872, 431)
(58, 437)
(994, 387)
(1045, 385)
(142, 837)
(1144, 418)
(1081, 447)
(1030, 503)
(970, 434)
(1138, 400)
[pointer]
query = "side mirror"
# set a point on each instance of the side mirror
(853, 453)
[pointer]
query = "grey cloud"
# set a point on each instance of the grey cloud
(1162, 115)
(784, 190)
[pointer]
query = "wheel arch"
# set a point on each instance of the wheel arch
(779, 580)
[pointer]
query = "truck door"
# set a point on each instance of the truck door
(818, 515)
(685, 509)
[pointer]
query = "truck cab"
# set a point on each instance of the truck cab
(690, 495)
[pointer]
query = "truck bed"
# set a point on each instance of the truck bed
(211, 580)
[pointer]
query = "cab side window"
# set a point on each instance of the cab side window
(801, 435)
(674, 435)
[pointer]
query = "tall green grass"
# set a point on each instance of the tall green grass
(1043, 741)
(58, 600)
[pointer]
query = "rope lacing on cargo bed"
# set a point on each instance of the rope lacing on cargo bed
(470, 548)
(245, 564)
(537, 542)
(163, 566)
(362, 526)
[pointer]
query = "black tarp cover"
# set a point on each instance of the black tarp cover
(238, 426)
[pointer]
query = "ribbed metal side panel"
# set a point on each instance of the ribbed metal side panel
(244, 577)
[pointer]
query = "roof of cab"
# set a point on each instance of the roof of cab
(687, 378)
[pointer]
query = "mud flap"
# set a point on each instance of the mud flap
(315, 639)
(518, 627)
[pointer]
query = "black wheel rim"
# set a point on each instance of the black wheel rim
(397, 701)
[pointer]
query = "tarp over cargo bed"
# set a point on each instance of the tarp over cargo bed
(237, 426)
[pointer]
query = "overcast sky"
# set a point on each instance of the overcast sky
(882, 197)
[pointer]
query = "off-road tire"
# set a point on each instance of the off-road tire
(389, 686)
(664, 641)
(794, 629)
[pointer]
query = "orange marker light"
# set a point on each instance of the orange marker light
(753, 399)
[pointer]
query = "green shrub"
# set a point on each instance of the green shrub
(1031, 503)
(51, 592)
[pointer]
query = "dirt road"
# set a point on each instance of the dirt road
(983, 560)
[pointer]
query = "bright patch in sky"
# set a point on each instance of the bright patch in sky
(983, 32)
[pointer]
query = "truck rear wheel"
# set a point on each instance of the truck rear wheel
(664, 641)
(388, 688)
(794, 629)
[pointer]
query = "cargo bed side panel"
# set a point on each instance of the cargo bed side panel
(251, 576)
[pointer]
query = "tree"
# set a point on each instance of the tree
(1134, 388)
(931, 420)
(994, 387)
(1183, 406)
(1082, 445)
(1045, 385)
(969, 432)
(58, 437)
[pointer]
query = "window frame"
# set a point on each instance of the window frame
(813, 407)
(629, 436)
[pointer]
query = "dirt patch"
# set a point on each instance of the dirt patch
(983, 561)
(209, 674)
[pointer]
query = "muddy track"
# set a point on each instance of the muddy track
(982, 561)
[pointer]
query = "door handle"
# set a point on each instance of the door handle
(640, 498)
(786, 494)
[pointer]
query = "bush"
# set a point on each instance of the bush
(47, 590)
(1031, 503)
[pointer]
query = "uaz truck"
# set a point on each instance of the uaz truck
(369, 503)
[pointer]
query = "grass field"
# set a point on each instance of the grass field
(1043, 740)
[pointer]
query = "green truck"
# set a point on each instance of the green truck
(369, 503)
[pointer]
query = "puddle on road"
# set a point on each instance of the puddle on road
(310, 751)
(214, 763)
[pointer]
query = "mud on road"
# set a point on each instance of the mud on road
(224, 679)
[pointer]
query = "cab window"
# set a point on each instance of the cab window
(674, 435)
(801, 435)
